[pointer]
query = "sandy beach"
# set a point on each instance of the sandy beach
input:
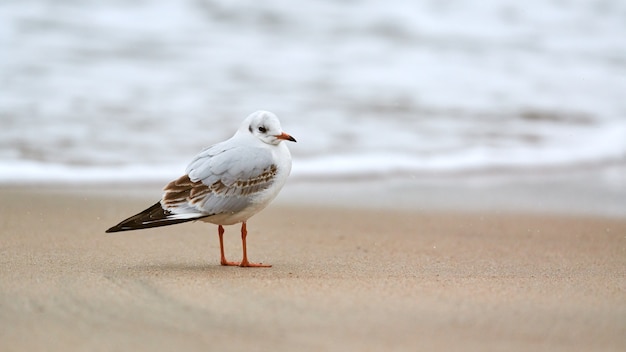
(458, 181)
(343, 279)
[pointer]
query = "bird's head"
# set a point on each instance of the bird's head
(265, 126)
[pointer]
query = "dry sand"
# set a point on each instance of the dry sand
(343, 279)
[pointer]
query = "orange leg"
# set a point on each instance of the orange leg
(244, 261)
(223, 261)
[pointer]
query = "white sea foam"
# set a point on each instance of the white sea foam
(114, 90)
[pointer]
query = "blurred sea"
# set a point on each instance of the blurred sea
(107, 90)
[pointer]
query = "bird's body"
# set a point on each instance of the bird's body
(226, 183)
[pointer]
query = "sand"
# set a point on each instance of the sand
(343, 279)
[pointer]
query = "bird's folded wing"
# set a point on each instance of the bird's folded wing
(220, 180)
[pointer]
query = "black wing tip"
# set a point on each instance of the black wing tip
(119, 228)
(155, 216)
(116, 228)
(135, 222)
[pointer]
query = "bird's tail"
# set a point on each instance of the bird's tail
(154, 216)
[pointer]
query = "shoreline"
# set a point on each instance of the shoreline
(596, 190)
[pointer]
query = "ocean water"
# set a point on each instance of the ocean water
(106, 90)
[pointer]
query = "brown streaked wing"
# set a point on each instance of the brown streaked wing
(246, 187)
(184, 190)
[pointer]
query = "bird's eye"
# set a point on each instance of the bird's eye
(262, 129)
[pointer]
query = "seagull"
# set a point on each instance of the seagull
(226, 183)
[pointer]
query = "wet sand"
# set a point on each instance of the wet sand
(342, 279)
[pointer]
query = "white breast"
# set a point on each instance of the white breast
(282, 159)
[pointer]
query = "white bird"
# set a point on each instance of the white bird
(226, 183)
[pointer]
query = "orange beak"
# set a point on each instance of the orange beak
(286, 137)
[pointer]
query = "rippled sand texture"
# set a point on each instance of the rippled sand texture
(342, 279)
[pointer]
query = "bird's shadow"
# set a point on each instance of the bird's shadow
(174, 268)
(186, 268)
